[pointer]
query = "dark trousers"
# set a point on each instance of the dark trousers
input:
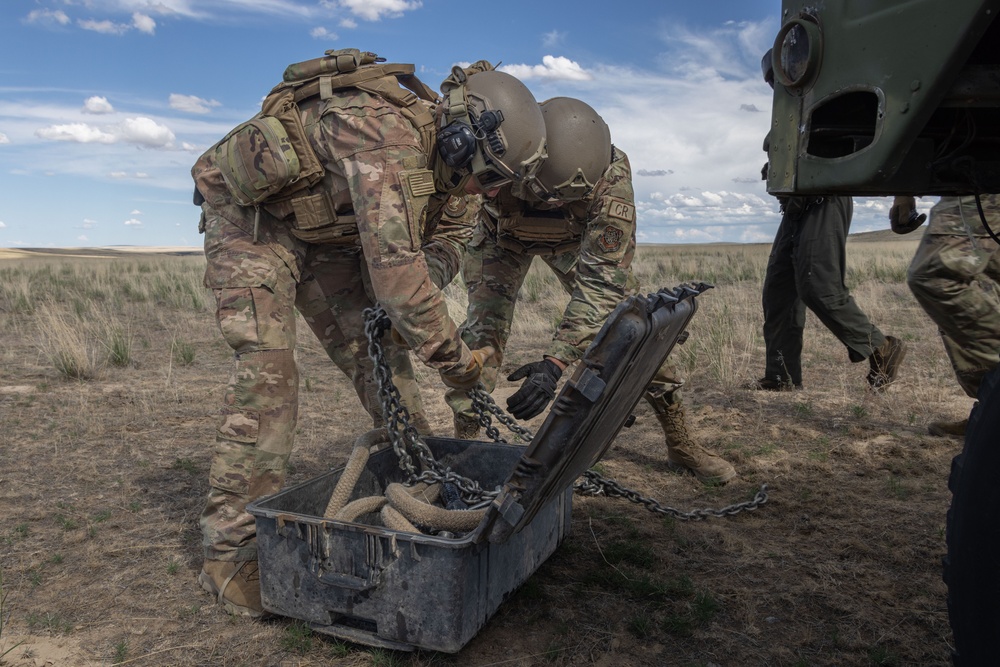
(806, 269)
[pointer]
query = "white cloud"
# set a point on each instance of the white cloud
(88, 223)
(2, 225)
(349, 24)
(552, 68)
(47, 17)
(146, 132)
(553, 38)
(75, 132)
(191, 103)
(132, 222)
(82, 239)
(104, 27)
(4, 139)
(97, 105)
(143, 23)
(322, 33)
(136, 212)
(374, 10)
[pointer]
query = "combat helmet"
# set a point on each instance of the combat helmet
(491, 126)
(579, 147)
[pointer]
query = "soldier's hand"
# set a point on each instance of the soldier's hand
(903, 216)
(469, 378)
(538, 388)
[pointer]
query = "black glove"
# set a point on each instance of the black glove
(537, 390)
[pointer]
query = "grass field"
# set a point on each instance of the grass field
(112, 372)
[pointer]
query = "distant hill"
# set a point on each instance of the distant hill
(884, 235)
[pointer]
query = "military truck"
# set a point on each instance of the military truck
(894, 97)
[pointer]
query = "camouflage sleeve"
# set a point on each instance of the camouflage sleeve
(604, 265)
(447, 236)
(380, 155)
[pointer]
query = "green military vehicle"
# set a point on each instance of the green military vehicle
(894, 97)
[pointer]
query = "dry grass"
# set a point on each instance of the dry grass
(103, 475)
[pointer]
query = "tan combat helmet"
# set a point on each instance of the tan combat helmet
(579, 148)
(497, 114)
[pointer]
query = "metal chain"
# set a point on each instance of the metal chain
(402, 434)
(592, 484)
(405, 438)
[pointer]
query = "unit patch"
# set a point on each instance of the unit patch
(611, 239)
(622, 210)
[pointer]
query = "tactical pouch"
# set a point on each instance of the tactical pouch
(316, 221)
(257, 160)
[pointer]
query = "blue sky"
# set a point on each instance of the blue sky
(106, 104)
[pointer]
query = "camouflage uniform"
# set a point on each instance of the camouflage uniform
(954, 276)
(590, 247)
(261, 272)
(806, 269)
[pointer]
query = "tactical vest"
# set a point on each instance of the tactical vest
(533, 231)
(269, 160)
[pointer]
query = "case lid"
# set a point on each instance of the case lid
(594, 404)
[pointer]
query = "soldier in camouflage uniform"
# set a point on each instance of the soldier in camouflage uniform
(579, 218)
(954, 275)
(363, 228)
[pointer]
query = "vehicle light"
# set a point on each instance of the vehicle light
(797, 52)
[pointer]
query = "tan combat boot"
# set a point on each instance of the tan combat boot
(684, 455)
(885, 363)
(235, 585)
(944, 429)
(466, 428)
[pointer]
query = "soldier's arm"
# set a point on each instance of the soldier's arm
(390, 188)
(448, 235)
(604, 267)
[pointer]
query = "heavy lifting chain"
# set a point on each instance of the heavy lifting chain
(402, 433)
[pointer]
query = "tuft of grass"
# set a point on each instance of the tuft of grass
(183, 352)
(382, 657)
(4, 618)
(121, 652)
(185, 464)
(297, 638)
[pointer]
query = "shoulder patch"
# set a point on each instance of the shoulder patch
(611, 239)
(621, 209)
(456, 206)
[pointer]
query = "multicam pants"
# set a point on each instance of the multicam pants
(258, 286)
(954, 275)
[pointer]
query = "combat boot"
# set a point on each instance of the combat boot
(235, 585)
(885, 363)
(466, 428)
(683, 455)
(944, 429)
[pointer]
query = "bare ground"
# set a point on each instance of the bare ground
(102, 482)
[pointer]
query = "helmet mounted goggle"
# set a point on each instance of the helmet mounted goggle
(472, 142)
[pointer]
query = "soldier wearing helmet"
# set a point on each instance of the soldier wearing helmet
(335, 197)
(577, 213)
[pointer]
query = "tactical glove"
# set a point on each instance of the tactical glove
(468, 379)
(903, 217)
(537, 390)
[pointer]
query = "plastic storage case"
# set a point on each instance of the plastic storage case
(372, 585)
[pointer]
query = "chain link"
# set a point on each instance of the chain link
(405, 438)
(402, 434)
